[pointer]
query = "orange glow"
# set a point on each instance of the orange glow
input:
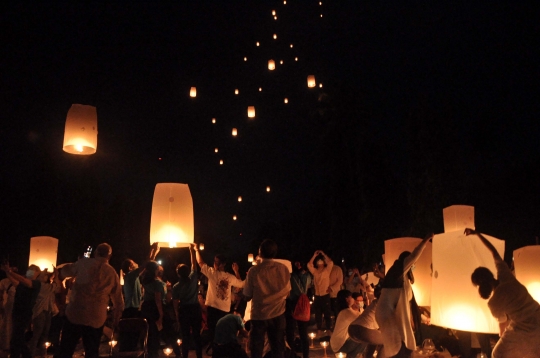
(251, 111)
(311, 81)
(80, 133)
(193, 92)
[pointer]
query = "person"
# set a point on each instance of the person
(225, 341)
(340, 340)
(358, 302)
(511, 304)
(220, 283)
(394, 313)
(96, 282)
(335, 283)
(355, 283)
(365, 329)
(267, 286)
(43, 311)
(152, 306)
(132, 284)
(26, 292)
(7, 297)
(186, 306)
(300, 282)
(320, 266)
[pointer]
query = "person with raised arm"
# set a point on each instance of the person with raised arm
(512, 306)
(320, 266)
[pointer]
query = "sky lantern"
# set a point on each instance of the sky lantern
(80, 133)
(234, 132)
(260, 89)
(213, 121)
(422, 271)
(320, 85)
(171, 223)
(527, 269)
(193, 92)
(239, 199)
(458, 218)
(311, 81)
(234, 217)
(275, 36)
(273, 12)
(281, 62)
(221, 162)
(296, 58)
(251, 111)
(216, 150)
(257, 43)
(271, 65)
(43, 252)
(455, 302)
(201, 246)
(250, 257)
(267, 189)
(245, 58)
(291, 45)
(236, 91)
(286, 100)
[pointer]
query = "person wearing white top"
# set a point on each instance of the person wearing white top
(340, 340)
(320, 266)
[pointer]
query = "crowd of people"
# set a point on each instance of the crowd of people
(263, 313)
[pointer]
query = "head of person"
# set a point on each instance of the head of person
(219, 262)
(150, 272)
(344, 299)
(319, 262)
(33, 272)
(357, 297)
(483, 278)
(160, 272)
(200, 298)
(268, 249)
(104, 251)
(298, 266)
(129, 265)
(183, 272)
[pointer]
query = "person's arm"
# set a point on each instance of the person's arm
(309, 265)
(328, 260)
(192, 256)
(486, 242)
(413, 257)
(154, 250)
(159, 303)
(16, 278)
(117, 300)
(247, 292)
(335, 284)
(236, 271)
(200, 260)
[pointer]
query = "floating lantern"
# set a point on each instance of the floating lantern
(275, 17)
(291, 45)
(236, 91)
(286, 100)
(341, 355)
(320, 85)
(271, 65)
(221, 162)
(257, 43)
(296, 58)
(320, 2)
(167, 351)
(234, 132)
(213, 121)
(273, 12)
(80, 133)
(239, 199)
(281, 62)
(251, 111)
(245, 58)
(250, 258)
(216, 150)
(527, 268)
(234, 217)
(260, 89)
(43, 251)
(284, 2)
(275, 37)
(201, 246)
(113, 343)
(458, 218)
(172, 215)
(193, 92)
(268, 189)
(321, 15)
(422, 272)
(311, 81)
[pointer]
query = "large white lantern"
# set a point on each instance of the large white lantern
(271, 65)
(311, 81)
(251, 111)
(172, 215)
(43, 252)
(527, 269)
(422, 270)
(80, 134)
(458, 218)
(455, 302)
(193, 92)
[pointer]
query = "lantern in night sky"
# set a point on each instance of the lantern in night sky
(250, 258)
(268, 189)
(236, 91)
(281, 62)
(311, 81)
(234, 217)
(275, 37)
(239, 199)
(172, 215)
(296, 58)
(257, 43)
(286, 100)
(221, 162)
(234, 132)
(251, 111)
(213, 121)
(245, 58)
(422, 271)
(291, 45)
(527, 269)
(320, 85)
(43, 251)
(271, 65)
(193, 92)
(201, 246)
(216, 150)
(80, 133)
(260, 89)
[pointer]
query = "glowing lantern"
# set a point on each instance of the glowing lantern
(296, 58)
(245, 58)
(273, 12)
(216, 150)
(286, 100)
(458, 218)
(422, 271)
(527, 268)
(239, 199)
(321, 15)
(251, 111)
(320, 85)
(311, 81)
(284, 2)
(43, 250)
(260, 89)
(275, 37)
(234, 132)
(80, 133)
(271, 65)
(221, 162)
(234, 217)
(193, 92)
(213, 121)
(257, 43)
(281, 62)
(172, 215)
(236, 91)
(201, 246)
(250, 258)
(268, 189)
(291, 45)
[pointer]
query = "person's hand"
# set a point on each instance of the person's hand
(468, 232)
(235, 267)
(169, 286)
(194, 247)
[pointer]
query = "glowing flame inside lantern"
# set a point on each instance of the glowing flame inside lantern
(78, 147)
(193, 92)
(271, 65)
(311, 81)
(80, 133)
(172, 235)
(251, 111)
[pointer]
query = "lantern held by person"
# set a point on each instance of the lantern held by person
(193, 92)
(527, 266)
(172, 215)
(80, 133)
(43, 251)
(311, 81)
(251, 111)
(458, 218)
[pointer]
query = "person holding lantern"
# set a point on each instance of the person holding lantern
(394, 311)
(511, 304)
(320, 266)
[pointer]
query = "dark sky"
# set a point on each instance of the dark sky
(443, 92)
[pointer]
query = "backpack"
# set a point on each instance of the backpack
(302, 310)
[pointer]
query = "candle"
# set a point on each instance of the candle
(167, 351)
(179, 341)
(113, 343)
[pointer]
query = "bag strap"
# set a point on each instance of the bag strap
(300, 286)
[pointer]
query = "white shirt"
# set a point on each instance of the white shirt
(220, 284)
(321, 279)
(341, 330)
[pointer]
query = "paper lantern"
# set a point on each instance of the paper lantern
(271, 65)
(250, 258)
(321, 15)
(291, 45)
(284, 2)
(239, 199)
(281, 62)
(273, 12)
(458, 218)
(275, 17)
(80, 133)
(268, 189)
(236, 91)
(257, 43)
(234, 217)
(251, 111)
(311, 81)
(216, 150)
(527, 268)
(275, 37)
(455, 302)
(422, 271)
(234, 132)
(320, 85)
(245, 58)
(213, 121)
(296, 58)
(43, 251)
(193, 92)
(260, 89)
(201, 246)
(221, 162)
(172, 215)
(286, 100)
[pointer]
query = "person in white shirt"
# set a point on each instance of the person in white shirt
(220, 283)
(340, 340)
(320, 266)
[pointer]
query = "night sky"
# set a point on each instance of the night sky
(423, 105)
